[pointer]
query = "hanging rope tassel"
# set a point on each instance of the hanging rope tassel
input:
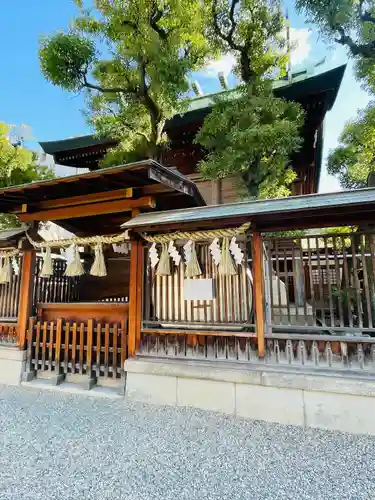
(164, 267)
(47, 268)
(5, 270)
(75, 268)
(193, 267)
(98, 268)
(226, 266)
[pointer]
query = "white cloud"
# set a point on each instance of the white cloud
(300, 40)
(300, 51)
(224, 64)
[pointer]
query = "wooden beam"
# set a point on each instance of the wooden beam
(133, 298)
(26, 294)
(86, 199)
(258, 279)
(138, 323)
(108, 207)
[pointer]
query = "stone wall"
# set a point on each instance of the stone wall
(336, 401)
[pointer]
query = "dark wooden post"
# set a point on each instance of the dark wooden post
(258, 277)
(135, 296)
(26, 294)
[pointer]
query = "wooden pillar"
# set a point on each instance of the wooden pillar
(26, 294)
(135, 296)
(258, 278)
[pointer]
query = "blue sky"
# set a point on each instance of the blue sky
(26, 97)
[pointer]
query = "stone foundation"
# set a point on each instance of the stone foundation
(336, 401)
(12, 365)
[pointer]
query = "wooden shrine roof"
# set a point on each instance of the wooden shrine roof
(10, 237)
(98, 202)
(87, 151)
(298, 212)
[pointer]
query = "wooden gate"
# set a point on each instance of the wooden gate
(87, 348)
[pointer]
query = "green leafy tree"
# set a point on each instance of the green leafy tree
(251, 134)
(354, 159)
(132, 58)
(17, 166)
(350, 23)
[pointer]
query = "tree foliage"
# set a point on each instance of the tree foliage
(132, 58)
(17, 166)
(251, 133)
(350, 23)
(354, 159)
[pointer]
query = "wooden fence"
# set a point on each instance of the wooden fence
(323, 283)
(55, 288)
(8, 333)
(323, 352)
(164, 301)
(9, 296)
(62, 347)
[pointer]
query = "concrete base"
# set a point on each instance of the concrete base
(335, 401)
(12, 365)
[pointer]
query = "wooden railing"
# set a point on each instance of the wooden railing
(322, 352)
(87, 348)
(194, 344)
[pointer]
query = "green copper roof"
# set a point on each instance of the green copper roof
(302, 85)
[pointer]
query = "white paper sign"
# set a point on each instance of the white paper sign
(201, 289)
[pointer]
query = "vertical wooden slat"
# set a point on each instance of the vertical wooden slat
(74, 347)
(26, 294)
(277, 254)
(81, 347)
(328, 273)
(366, 284)
(133, 298)
(320, 282)
(37, 346)
(66, 331)
(179, 290)
(258, 289)
(286, 277)
(106, 349)
(338, 280)
(139, 310)
(270, 274)
(90, 332)
(356, 283)
(44, 345)
(114, 352)
(51, 339)
(58, 345)
(30, 337)
(207, 275)
(346, 280)
(123, 344)
(98, 348)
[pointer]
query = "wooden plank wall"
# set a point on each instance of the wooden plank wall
(164, 295)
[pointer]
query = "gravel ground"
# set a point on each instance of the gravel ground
(63, 446)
